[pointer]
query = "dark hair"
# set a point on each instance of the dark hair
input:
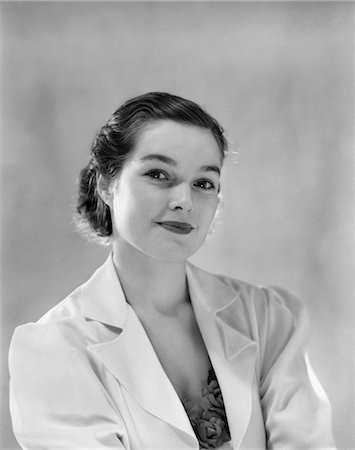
(115, 142)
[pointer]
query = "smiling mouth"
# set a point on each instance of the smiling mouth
(177, 227)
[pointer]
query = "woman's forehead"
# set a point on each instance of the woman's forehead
(177, 141)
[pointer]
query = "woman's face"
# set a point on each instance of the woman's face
(165, 198)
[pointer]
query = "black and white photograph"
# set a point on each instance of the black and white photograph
(177, 225)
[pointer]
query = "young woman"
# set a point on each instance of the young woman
(152, 352)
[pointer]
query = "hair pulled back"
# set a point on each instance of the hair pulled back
(115, 142)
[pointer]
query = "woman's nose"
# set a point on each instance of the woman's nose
(181, 198)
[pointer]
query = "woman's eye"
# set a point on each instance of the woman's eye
(205, 184)
(157, 175)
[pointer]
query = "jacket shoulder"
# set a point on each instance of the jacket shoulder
(54, 335)
(273, 305)
(51, 336)
(268, 315)
(258, 298)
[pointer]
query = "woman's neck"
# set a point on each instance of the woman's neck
(150, 284)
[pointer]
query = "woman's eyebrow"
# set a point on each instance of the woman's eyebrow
(215, 169)
(172, 162)
(161, 158)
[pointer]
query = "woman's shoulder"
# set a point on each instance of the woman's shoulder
(58, 329)
(269, 315)
(72, 320)
(262, 299)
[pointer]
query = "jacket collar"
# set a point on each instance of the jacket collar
(224, 302)
(223, 322)
(220, 314)
(103, 300)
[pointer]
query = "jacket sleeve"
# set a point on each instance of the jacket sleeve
(56, 399)
(296, 410)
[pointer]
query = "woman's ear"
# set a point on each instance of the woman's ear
(104, 188)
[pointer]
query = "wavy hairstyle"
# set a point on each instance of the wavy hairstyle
(115, 142)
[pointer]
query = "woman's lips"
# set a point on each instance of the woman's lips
(177, 227)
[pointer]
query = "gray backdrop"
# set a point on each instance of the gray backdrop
(279, 76)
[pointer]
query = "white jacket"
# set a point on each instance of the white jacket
(86, 376)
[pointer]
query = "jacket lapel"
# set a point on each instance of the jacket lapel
(221, 317)
(128, 354)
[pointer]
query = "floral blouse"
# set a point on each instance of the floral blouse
(208, 417)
